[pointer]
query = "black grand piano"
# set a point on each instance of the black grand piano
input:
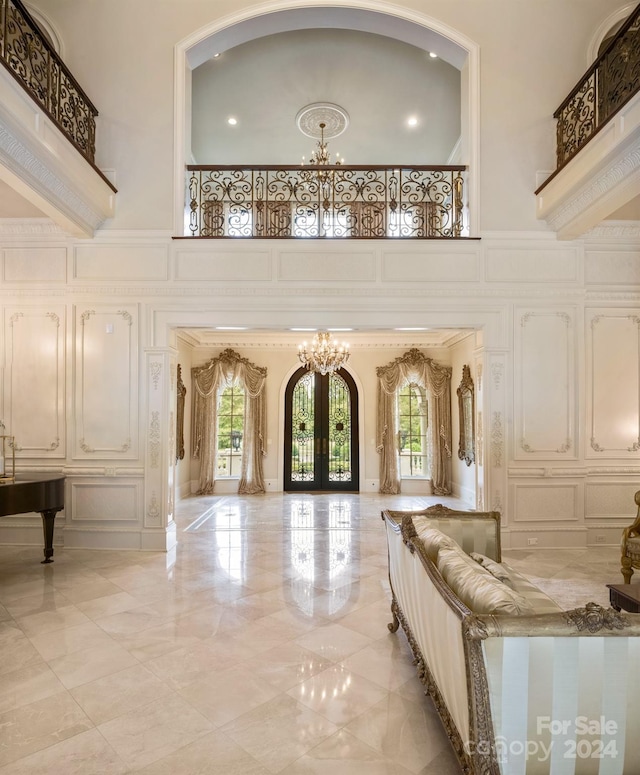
(39, 492)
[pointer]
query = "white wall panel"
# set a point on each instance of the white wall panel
(34, 265)
(106, 382)
(105, 502)
(611, 500)
(352, 265)
(613, 384)
(425, 267)
(124, 262)
(197, 265)
(507, 265)
(619, 267)
(545, 384)
(545, 502)
(34, 410)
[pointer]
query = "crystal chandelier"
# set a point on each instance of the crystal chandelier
(323, 355)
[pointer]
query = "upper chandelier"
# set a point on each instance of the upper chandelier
(324, 355)
(321, 155)
(322, 121)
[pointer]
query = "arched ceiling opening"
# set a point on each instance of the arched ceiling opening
(403, 104)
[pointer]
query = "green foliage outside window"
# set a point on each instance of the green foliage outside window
(230, 430)
(412, 429)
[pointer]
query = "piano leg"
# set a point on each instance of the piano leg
(48, 519)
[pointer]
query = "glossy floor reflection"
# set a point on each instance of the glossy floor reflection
(259, 647)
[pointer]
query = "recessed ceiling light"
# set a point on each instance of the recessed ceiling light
(215, 56)
(339, 329)
(433, 55)
(412, 121)
(230, 328)
(411, 328)
(232, 121)
(303, 329)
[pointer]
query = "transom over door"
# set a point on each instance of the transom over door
(321, 432)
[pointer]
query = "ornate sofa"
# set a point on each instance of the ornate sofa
(522, 687)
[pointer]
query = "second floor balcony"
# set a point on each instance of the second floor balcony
(327, 201)
(597, 176)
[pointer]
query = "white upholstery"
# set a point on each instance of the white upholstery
(539, 668)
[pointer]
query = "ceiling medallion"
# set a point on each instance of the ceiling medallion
(323, 355)
(334, 118)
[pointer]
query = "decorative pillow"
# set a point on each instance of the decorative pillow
(433, 539)
(481, 592)
(494, 568)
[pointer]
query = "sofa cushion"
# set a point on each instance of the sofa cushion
(537, 599)
(431, 538)
(481, 592)
(496, 569)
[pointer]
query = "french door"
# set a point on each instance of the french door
(321, 432)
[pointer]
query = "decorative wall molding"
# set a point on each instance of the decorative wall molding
(25, 227)
(613, 403)
(628, 230)
(34, 381)
(106, 390)
(497, 440)
(545, 395)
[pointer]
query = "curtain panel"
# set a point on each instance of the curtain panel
(222, 372)
(414, 366)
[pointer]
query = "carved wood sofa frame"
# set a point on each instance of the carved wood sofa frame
(471, 730)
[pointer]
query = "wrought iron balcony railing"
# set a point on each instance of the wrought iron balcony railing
(605, 88)
(326, 202)
(31, 59)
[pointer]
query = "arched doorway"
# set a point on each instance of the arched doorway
(321, 432)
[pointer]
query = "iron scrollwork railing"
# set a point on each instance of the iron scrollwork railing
(326, 202)
(608, 84)
(31, 59)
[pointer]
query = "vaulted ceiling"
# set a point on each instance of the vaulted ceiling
(380, 82)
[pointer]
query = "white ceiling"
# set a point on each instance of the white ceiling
(379, 81)
(13, 205)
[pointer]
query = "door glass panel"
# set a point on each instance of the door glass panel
(302, 429)
(339, 430)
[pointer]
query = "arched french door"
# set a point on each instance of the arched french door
(321, 432)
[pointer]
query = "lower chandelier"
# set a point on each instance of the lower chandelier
(323, 355)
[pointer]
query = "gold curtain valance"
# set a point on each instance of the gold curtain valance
(227, 369)
(414, 366)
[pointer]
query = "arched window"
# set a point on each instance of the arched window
(413, 368)
(234, 387)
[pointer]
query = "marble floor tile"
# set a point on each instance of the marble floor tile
(32, 727)
(279, 732)
(80, 667)
(27, 685)
(118, 693)
(259, 646)
(86, 753)
(338, 694)
(213, 754)
(151, 732)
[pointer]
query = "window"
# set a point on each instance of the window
(412, 431)
(230, 431)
